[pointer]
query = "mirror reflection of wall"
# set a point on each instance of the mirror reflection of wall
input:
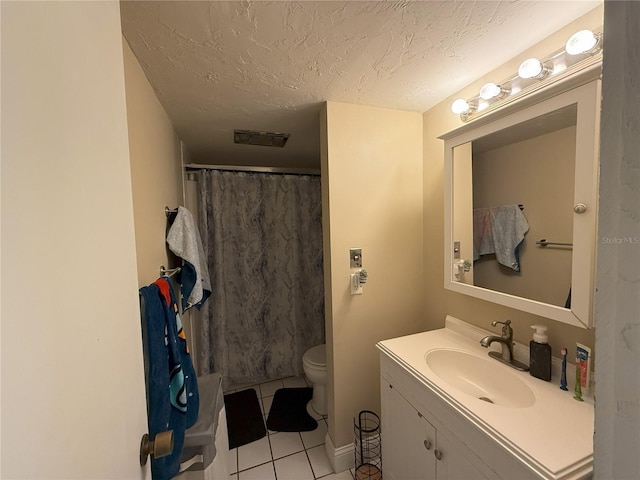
(531, 164)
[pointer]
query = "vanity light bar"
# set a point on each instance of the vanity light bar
(531, 71)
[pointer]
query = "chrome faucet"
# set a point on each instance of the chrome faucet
(506, 341)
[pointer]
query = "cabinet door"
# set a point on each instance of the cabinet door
(408, 440)
(452, 464)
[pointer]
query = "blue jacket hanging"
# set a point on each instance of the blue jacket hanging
(172, 395)
(186, 383)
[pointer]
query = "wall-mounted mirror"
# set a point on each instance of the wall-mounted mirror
(521, 206)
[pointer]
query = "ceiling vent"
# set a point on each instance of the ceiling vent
(263, 139)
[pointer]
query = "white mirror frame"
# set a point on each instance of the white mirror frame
(587, 96)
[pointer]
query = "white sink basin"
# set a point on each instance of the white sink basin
(482, 378)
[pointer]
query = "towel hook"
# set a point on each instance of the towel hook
(168, 272)
(168, 211)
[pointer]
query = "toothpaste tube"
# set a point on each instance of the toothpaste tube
(583, 366)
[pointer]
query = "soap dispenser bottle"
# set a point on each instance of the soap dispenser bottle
(540, 354)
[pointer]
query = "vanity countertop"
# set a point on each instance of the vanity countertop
(555, 433)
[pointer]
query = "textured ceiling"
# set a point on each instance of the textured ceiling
(257, 65)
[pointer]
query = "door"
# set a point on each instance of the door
(408, 440)
(452, 463)
(73, 398)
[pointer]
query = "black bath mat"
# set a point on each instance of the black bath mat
(244, 418)
(288, 411)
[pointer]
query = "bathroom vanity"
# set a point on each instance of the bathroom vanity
(449, 411)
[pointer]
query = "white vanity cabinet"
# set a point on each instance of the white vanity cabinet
(412, 447)
(469, 428)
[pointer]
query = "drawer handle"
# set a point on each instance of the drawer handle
(427, 444)
(438, 454)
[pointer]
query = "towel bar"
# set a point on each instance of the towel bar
(544, 243)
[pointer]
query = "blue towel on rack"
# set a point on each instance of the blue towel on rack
(509, 227)
(189, 394)
(161, 360)
(499, 230)
(172, 392)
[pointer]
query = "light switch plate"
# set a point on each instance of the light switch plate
(355, 258)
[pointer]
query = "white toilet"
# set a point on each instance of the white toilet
(314, 364)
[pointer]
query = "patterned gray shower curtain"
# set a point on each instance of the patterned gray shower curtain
(262, 234)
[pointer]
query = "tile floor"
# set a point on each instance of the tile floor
(284, 455)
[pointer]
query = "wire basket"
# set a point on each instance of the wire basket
(367, 446)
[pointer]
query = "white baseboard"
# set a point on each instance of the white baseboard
(341, 458)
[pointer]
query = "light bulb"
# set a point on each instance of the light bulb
(531, 68)
(581, 42)
(490, 90)
(460, 106)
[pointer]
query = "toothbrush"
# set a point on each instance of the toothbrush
(563, 378)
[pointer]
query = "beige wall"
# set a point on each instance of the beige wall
(73, 401)
(372, 199)
(538, 173)
(156, 178)
(156, 173)
(439, 301)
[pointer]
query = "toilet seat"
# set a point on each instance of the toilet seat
(316, 356)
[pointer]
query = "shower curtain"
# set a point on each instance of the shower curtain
(262, 234)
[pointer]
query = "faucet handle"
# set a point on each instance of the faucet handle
(507, 331)
(496, 322)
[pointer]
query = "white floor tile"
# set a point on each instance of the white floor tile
(242, 386)
(315, 437)
(254, 453)
(233, 460)
(285, 443)
(294, 382)
(294, 467)
(319, 461)
(263, 472)
(254, 387)
(269, 389)
(346, 475)
(266, 405)
(234, 476)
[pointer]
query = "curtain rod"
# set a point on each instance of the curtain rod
(244, 168)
